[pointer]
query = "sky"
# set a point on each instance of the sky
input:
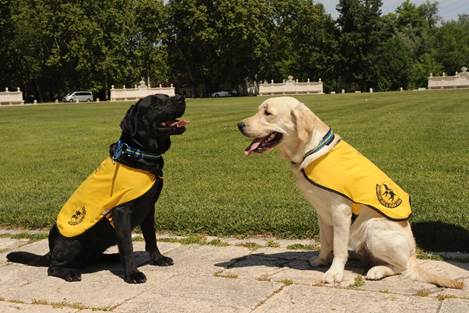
(448, 9)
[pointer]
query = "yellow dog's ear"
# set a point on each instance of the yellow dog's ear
(304, 122)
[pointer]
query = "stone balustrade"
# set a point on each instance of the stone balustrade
(459, 80)
(290, 86)
(138, 92)
(11, 97)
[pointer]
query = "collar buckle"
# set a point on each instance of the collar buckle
(123, 148)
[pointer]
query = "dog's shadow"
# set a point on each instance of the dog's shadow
(111, 262)
(439, 236)
(430, 236)
(297, 260)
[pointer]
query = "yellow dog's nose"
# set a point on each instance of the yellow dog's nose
(241, 126)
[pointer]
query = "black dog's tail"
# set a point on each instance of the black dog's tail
(29, 258)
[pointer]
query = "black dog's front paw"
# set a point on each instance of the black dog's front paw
(73, 276)
(67, 274)
(135, 277)
(161, 260)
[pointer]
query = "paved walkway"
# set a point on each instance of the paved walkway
(252, 275)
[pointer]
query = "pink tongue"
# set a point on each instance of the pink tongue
(179, 123)
(253, 146)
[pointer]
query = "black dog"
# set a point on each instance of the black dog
(80, 238)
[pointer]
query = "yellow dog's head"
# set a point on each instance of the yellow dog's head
(281, 121)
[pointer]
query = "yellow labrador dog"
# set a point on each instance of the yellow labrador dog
(338, 181)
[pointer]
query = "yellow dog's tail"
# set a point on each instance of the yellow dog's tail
(418, 273)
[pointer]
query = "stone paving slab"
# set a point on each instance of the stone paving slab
(189, 293)
(298, 298)
(207, 278)
(9, 307)
(9, 243)
(454, 306)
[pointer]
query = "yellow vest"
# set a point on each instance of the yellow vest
(110, 185)
(347, 172)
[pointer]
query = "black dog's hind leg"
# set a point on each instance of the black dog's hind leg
(148, 230)
(121, 217)
(63, 260)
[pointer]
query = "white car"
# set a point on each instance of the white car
(78, 95)
(222, 93)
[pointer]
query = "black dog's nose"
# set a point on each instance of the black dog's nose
(241, 126)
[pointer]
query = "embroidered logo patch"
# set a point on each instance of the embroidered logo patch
(77, 217)
(387, 196)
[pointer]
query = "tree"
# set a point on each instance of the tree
(301, 42)
(394, 63)
(361, 34)
(221, 44)
(216, 44)
(452, 50)
(151, 31)
(416, 25)
(7, 65)
(190, 43)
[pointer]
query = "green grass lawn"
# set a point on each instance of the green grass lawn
(420, 139)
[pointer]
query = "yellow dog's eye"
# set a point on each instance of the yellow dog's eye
(267, 113)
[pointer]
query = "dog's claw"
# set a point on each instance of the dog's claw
(136, 277)
(73, 276)
(162, 261)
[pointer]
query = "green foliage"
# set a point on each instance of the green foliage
(52, 47)
(453, 44)
(393, 64)
(62, 46)
(361, 33)
(301, 42)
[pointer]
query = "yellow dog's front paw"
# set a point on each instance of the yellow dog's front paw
(333, 275)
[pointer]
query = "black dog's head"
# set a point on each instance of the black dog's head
(152, 120)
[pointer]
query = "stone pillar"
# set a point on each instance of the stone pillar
(343, 91)
(371, 90)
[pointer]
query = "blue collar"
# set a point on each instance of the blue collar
(122, 148)
(325, 141)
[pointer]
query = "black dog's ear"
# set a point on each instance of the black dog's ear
(129, 122)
